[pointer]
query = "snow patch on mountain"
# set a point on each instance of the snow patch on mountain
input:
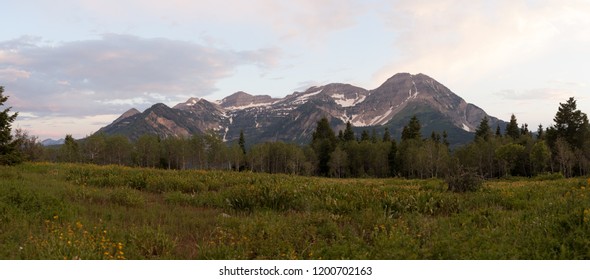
(341, 100)
(192, 101)
(251, 105)
(383, 118)
(466, 128)
(357, 120)
(303, 98)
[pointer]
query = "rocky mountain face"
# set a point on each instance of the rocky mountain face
(293, 118)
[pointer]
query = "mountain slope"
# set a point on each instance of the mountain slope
(293, 118)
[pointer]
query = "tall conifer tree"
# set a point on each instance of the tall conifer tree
(8, 152)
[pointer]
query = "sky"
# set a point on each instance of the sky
(73, 66)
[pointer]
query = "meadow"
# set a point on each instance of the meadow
(76, 211)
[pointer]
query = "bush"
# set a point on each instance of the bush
(464, 181)
(127, 197)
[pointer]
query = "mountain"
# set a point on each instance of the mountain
(242, 100)
(293, 118)
(51, 142)
(131, 112)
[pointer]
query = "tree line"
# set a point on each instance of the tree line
(513, 151)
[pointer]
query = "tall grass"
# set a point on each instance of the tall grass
(57, 211)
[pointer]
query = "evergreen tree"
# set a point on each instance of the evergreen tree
(412, 130)
(435, 137)
(498, 132)
(69, 151)
(9, 154)
(524, 129)
(348, 133)
(512, 128)
(483, 131)
(392, 158)
(570, 124)
(374, 136)
(365, 136)
(386, 135)
(540, 133)
(445, 138)
(323, 143)
(242, 142)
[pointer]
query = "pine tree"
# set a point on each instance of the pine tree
(365, 136)
(412, 130)
(374, 136)
(323, 143)
(242, 142)
(498, 132)
(512, 128)
(70, 152)
(386, 135)
(570, 124)
(524, 129)
(540, 133)
(435, 137)
(348, 133)
(483, 131)
(340, 136)
(445, 138)
(392, 158)
(9, 154)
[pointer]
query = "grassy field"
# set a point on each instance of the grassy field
(66, 211)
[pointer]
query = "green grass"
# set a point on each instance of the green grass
(57, 211)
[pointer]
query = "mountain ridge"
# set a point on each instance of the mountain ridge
(293, 117)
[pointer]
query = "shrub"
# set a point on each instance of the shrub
(464, 181)
(127, 197)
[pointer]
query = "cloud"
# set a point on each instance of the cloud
(56, 127)
(104, 75)
(74, 81)
(12, 75)
(545, 94)
(467, 40)
(305, 19)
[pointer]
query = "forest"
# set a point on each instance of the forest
(496, 152)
